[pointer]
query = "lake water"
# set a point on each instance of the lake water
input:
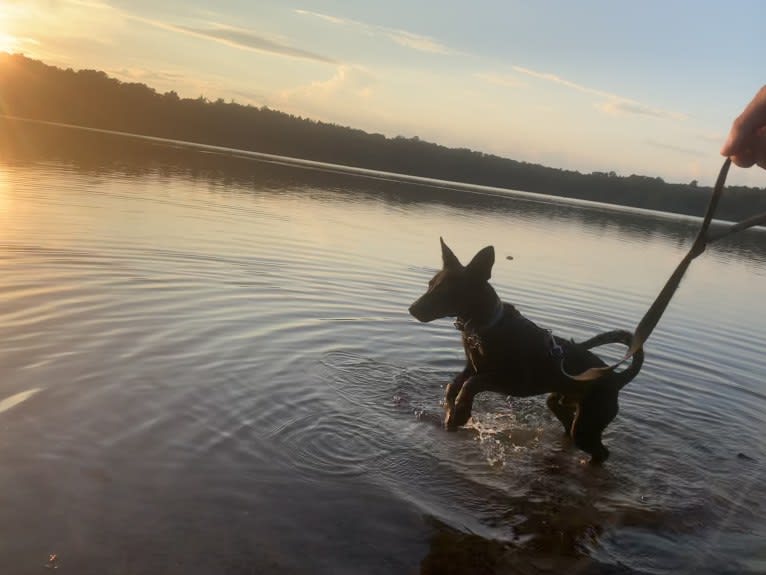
(207, 366)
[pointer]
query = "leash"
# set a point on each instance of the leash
(652, 317)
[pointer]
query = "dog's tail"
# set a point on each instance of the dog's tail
(624, 377)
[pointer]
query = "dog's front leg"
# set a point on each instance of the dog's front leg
(453, 389)
(457, 384)
(459, 413)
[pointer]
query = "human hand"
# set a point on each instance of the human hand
(746, 144)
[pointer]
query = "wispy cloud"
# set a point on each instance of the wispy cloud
(611, 104)
(620, 105)
(505, 80)
(404, 38)
(232, 36)
(417, 42)
(678, 149)
(244, 40)
(558, 80)
(144, 74)
(94, 4)
(331, 19)
(711, 138)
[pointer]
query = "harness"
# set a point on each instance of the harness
(554, 349)
(472, 333)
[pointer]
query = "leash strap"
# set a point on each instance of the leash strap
(652, 317)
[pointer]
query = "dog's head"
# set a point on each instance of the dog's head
(454, 289)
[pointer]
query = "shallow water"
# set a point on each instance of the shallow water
(208, 367)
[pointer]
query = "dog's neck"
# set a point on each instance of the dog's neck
(482, 314)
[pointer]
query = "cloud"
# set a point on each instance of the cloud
(505, 80)
(144, 75)
(711, 138)
(401, 37)
(417, 42)
(331, 19)
(624, 106)
(678, 149)
(613, 104)
(245, 40)
(240, 38)
(95, 4)
(250, 97)
(349, 80)
(558, 80)
(346, 97)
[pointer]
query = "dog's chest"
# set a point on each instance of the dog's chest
(477, 350)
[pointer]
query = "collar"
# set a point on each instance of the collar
(497, 316)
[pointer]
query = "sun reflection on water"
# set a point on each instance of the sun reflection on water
(5, 195)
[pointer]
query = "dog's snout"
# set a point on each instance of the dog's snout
(419, 310)
(416, 312)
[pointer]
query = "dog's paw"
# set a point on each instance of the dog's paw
(457, 416)
(449, 414)
(451, 426)
(599, 457)
(448, 418)
(450, 423)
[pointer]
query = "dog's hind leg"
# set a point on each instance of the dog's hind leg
(596, 410)
(563, 408)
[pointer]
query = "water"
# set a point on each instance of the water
(208, 367)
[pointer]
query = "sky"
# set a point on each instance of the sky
(646, 87)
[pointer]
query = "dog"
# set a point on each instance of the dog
(509, 354)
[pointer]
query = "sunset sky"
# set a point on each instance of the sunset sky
(645, 87)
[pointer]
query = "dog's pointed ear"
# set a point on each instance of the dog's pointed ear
(449, 259)
(481, 264)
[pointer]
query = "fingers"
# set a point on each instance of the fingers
(744, 158)
(746, 144)
(752, 151)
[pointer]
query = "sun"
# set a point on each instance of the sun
(8, 43)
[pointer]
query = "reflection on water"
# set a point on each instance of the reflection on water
(208, 367)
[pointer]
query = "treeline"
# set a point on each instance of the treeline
(32, 89)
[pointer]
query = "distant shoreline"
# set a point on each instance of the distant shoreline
(433, 183)
(88, 99)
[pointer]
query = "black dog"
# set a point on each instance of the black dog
(509, 354)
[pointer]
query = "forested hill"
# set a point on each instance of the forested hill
(32, 89)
